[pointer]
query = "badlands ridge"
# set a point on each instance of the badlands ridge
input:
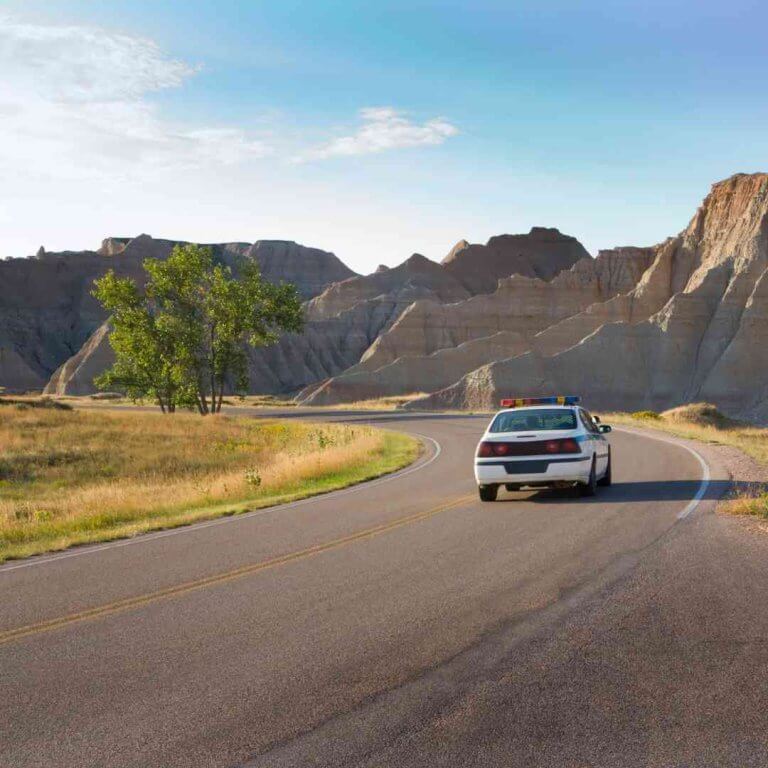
(635, 327)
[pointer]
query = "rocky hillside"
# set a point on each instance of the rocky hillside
(694, 328)
(47, 313)
(347, 318)
(432, 345)
(347, 321)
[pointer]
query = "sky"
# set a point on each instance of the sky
(372, 129)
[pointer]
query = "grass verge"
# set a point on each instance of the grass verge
(390, 403)
(72, 477)
(703, 422)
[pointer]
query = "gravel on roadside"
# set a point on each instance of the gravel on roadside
(747, 475)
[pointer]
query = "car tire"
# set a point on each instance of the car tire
(605, 480)
(590, 487)
(488, 492)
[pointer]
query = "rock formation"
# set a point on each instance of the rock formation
(342, 322)
(693, 328)
(634, 328)
(352, 313)
(76, 376)
(347, 321)
(47, 312)
(432, 345)
(542, 253)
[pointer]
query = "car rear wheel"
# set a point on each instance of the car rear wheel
(590, 487)
(605, 480)
(488, 492)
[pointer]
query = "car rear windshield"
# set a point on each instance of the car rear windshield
(534, 421)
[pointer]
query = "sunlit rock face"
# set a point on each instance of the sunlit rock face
(434, 344)
(694, 328)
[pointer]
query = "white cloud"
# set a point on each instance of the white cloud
(73, 104)
(383, 128)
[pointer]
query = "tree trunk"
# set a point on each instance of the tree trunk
(212, 369)
(201, 396)
(221, 396)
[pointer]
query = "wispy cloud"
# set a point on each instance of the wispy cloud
(74, 102)
(382, 129)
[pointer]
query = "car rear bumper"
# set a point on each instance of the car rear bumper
(533, 470)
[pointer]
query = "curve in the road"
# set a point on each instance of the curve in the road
(243, 667)
(706, 474)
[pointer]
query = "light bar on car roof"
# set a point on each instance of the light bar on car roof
(520, 402)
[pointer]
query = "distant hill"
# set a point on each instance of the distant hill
(47, 313)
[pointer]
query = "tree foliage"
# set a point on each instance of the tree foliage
(182, 340)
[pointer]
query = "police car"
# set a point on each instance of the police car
(541, 442)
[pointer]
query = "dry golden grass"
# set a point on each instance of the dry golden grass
(110, 400)
(375, 404)
(703, 422)
(748, 504)
(74, 476)
(260, 401)
(380, 403)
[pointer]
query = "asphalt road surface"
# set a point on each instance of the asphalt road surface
(403, 623)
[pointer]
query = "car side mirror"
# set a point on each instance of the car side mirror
(603, 428)
(596, 419)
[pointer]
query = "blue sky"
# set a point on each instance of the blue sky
(373, 129)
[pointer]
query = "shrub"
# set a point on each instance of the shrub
(701, 414)
(252, 477)
(37, 402)
(646, 415)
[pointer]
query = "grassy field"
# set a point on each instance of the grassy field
(703, 422)
(248, 401)
(277, 401)
(379, 403)
(71, 476)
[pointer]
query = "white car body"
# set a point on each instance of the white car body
(527, 460)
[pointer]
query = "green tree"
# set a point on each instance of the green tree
(183, 339)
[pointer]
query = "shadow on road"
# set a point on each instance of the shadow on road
(647, 490)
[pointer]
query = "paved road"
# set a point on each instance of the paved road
(405, 624)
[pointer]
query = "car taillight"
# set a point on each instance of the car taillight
(487, 449)
(493, 449)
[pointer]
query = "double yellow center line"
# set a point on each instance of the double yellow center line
(129, 603)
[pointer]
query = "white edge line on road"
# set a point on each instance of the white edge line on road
(705, 471)
(194, 527)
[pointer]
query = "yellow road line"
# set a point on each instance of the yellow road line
(128, 603)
